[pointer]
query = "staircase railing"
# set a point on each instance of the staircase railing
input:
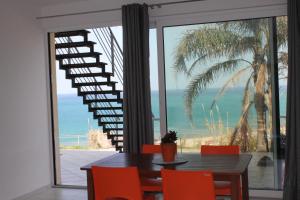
(112, 50)
(110, 46)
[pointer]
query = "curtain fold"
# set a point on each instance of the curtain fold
(138, 127)
(292, 162)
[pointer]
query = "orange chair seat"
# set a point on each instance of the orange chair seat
(151, 185)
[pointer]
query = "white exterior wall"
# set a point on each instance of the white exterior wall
(24, 131)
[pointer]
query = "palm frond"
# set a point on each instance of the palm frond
(190, 70)
(248, 28)
(243, 46)
(229, 83)
(283, 65)
(283, 58)
(282, 32)
(201, 81)
(208, 43)
(180, 65)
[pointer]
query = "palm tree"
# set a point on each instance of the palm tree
(229, 43)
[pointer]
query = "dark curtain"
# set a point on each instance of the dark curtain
(292, 162)
(138, 128)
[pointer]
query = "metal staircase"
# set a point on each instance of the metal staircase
(96, 81)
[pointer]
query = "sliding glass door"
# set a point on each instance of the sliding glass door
(221, 81)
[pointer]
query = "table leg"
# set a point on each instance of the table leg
(245, 186)
(235, 190)
(90, 185)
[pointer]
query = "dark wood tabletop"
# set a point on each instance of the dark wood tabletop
(224, 167)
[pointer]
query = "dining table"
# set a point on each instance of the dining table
(233, 168)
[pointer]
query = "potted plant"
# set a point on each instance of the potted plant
(168, 146)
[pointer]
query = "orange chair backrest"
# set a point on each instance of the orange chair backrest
(151, 148)
(112, 183)
(191, 185)
(223, 150)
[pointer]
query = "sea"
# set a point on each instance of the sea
(75, 121)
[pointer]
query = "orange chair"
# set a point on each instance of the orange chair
(191, 185)
(151, 183)
(117, 183)
(223, 188)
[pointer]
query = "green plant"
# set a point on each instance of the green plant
(169, 137)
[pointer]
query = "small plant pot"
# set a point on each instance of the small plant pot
(168, 151)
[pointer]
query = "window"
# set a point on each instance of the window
(86, 131)
(80, 136)
(220, 87)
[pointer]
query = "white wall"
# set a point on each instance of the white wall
(24, 132)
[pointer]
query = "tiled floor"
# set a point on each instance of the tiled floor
(72, 160)
(72, 194)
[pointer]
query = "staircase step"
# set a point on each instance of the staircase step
(101, 117)
(74, 44)
(114, 135)
(119, 140)
(72, 33)
(83, 65)
(109, 122)
(78, 55)
(91, 109)
(113, 92)
(92, 84)
(87, 101)
(101, 74)
(116, 141)
(120, 149)
(113, 129)
(112, 115)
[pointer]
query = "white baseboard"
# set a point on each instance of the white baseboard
(266, 194)
(37, 191)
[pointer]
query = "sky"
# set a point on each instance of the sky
(172, 36)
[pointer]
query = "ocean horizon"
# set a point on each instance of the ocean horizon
(75, 121)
